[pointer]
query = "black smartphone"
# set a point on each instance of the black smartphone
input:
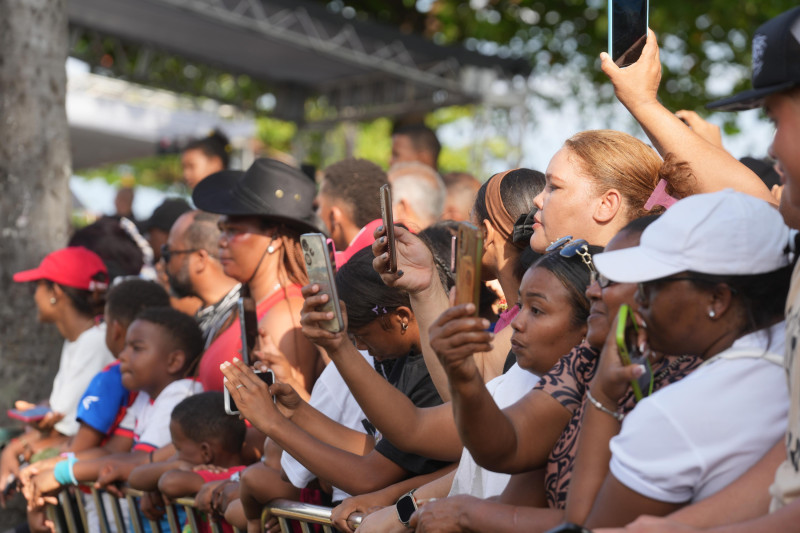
(248, 324)
(230, 405)
(319, 267)
(468, 265)
(388, 223)
(627, 30)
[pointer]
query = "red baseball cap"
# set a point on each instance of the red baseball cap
(74, 266)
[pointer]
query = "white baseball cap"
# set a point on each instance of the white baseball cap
(720, 233)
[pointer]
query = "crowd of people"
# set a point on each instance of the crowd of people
(630, 364)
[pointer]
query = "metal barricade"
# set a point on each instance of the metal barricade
(70, 514)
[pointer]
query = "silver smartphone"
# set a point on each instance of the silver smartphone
(319, 266)
(230, 405)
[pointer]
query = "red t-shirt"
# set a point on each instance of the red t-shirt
(229, 343)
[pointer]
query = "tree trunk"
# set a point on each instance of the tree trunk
(34, 191)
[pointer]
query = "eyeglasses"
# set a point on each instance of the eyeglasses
(570, 247)
(166, 253)
(601, 280)
(644, 287)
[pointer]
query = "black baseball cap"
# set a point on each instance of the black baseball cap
(165, 215)
(776, 62)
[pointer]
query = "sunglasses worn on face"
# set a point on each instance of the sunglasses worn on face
(644, 287)
(166, 253)
(601, 280)
(569, 248)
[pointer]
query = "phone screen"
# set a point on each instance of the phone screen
(230, 405)
(627, 30)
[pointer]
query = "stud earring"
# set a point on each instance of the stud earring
(53, 300)
(711, 313)
(403, 326)
(270, 249)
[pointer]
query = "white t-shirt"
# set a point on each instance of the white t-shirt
(472, 479)
(694, 437)
(787, 478)
(149, 419)
(333, 398)
(80, 360)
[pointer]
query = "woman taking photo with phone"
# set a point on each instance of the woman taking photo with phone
(501, 210)
(379, 320)
(713, 287)
(264, 212)
(70, 292)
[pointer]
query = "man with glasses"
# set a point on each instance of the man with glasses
(193, 269)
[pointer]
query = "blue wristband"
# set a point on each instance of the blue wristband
(63, 472)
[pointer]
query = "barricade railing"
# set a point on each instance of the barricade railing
(70, 514)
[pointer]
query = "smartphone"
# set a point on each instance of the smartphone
(468, 265)
(230, 405)
(388, 223)
(628, 348)
(29, 415)
(453, 253)
(319, 267)
(627, 30)
(248, 324)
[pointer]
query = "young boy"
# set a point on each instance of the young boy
(202, 434)
(162, 347)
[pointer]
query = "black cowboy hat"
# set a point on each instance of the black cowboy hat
(269, 189)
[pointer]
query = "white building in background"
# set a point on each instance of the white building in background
(113, 121)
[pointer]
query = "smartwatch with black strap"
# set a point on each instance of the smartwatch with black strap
(406, 506)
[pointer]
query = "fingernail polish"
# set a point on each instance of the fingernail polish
(400, 273)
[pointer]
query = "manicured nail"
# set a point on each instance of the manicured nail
(638, 370)
(400, 273)
(383, 240)
(380, 229)
(235, 359)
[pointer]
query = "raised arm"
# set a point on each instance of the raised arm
(636, 87)
(320, 426)
(523, 434)
(417, 275)
(430, 432)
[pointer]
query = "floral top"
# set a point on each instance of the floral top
(567, 382)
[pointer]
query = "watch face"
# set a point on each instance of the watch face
(406, 507)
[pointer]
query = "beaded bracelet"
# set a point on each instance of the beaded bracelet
(603, 408)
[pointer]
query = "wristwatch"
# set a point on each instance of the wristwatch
(405, 507)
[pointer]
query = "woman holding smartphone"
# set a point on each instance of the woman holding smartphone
(70, 286)
(711, 286)
(264, 212)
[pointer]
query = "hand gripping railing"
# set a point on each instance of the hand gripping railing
(70, 514)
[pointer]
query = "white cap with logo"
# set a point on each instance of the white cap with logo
(720, 233)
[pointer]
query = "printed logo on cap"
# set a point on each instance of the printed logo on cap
(759, 47)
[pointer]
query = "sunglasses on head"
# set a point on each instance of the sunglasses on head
(569, 247)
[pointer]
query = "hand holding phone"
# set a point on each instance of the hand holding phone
(30, 416)
(320, 271)
(230, 405)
